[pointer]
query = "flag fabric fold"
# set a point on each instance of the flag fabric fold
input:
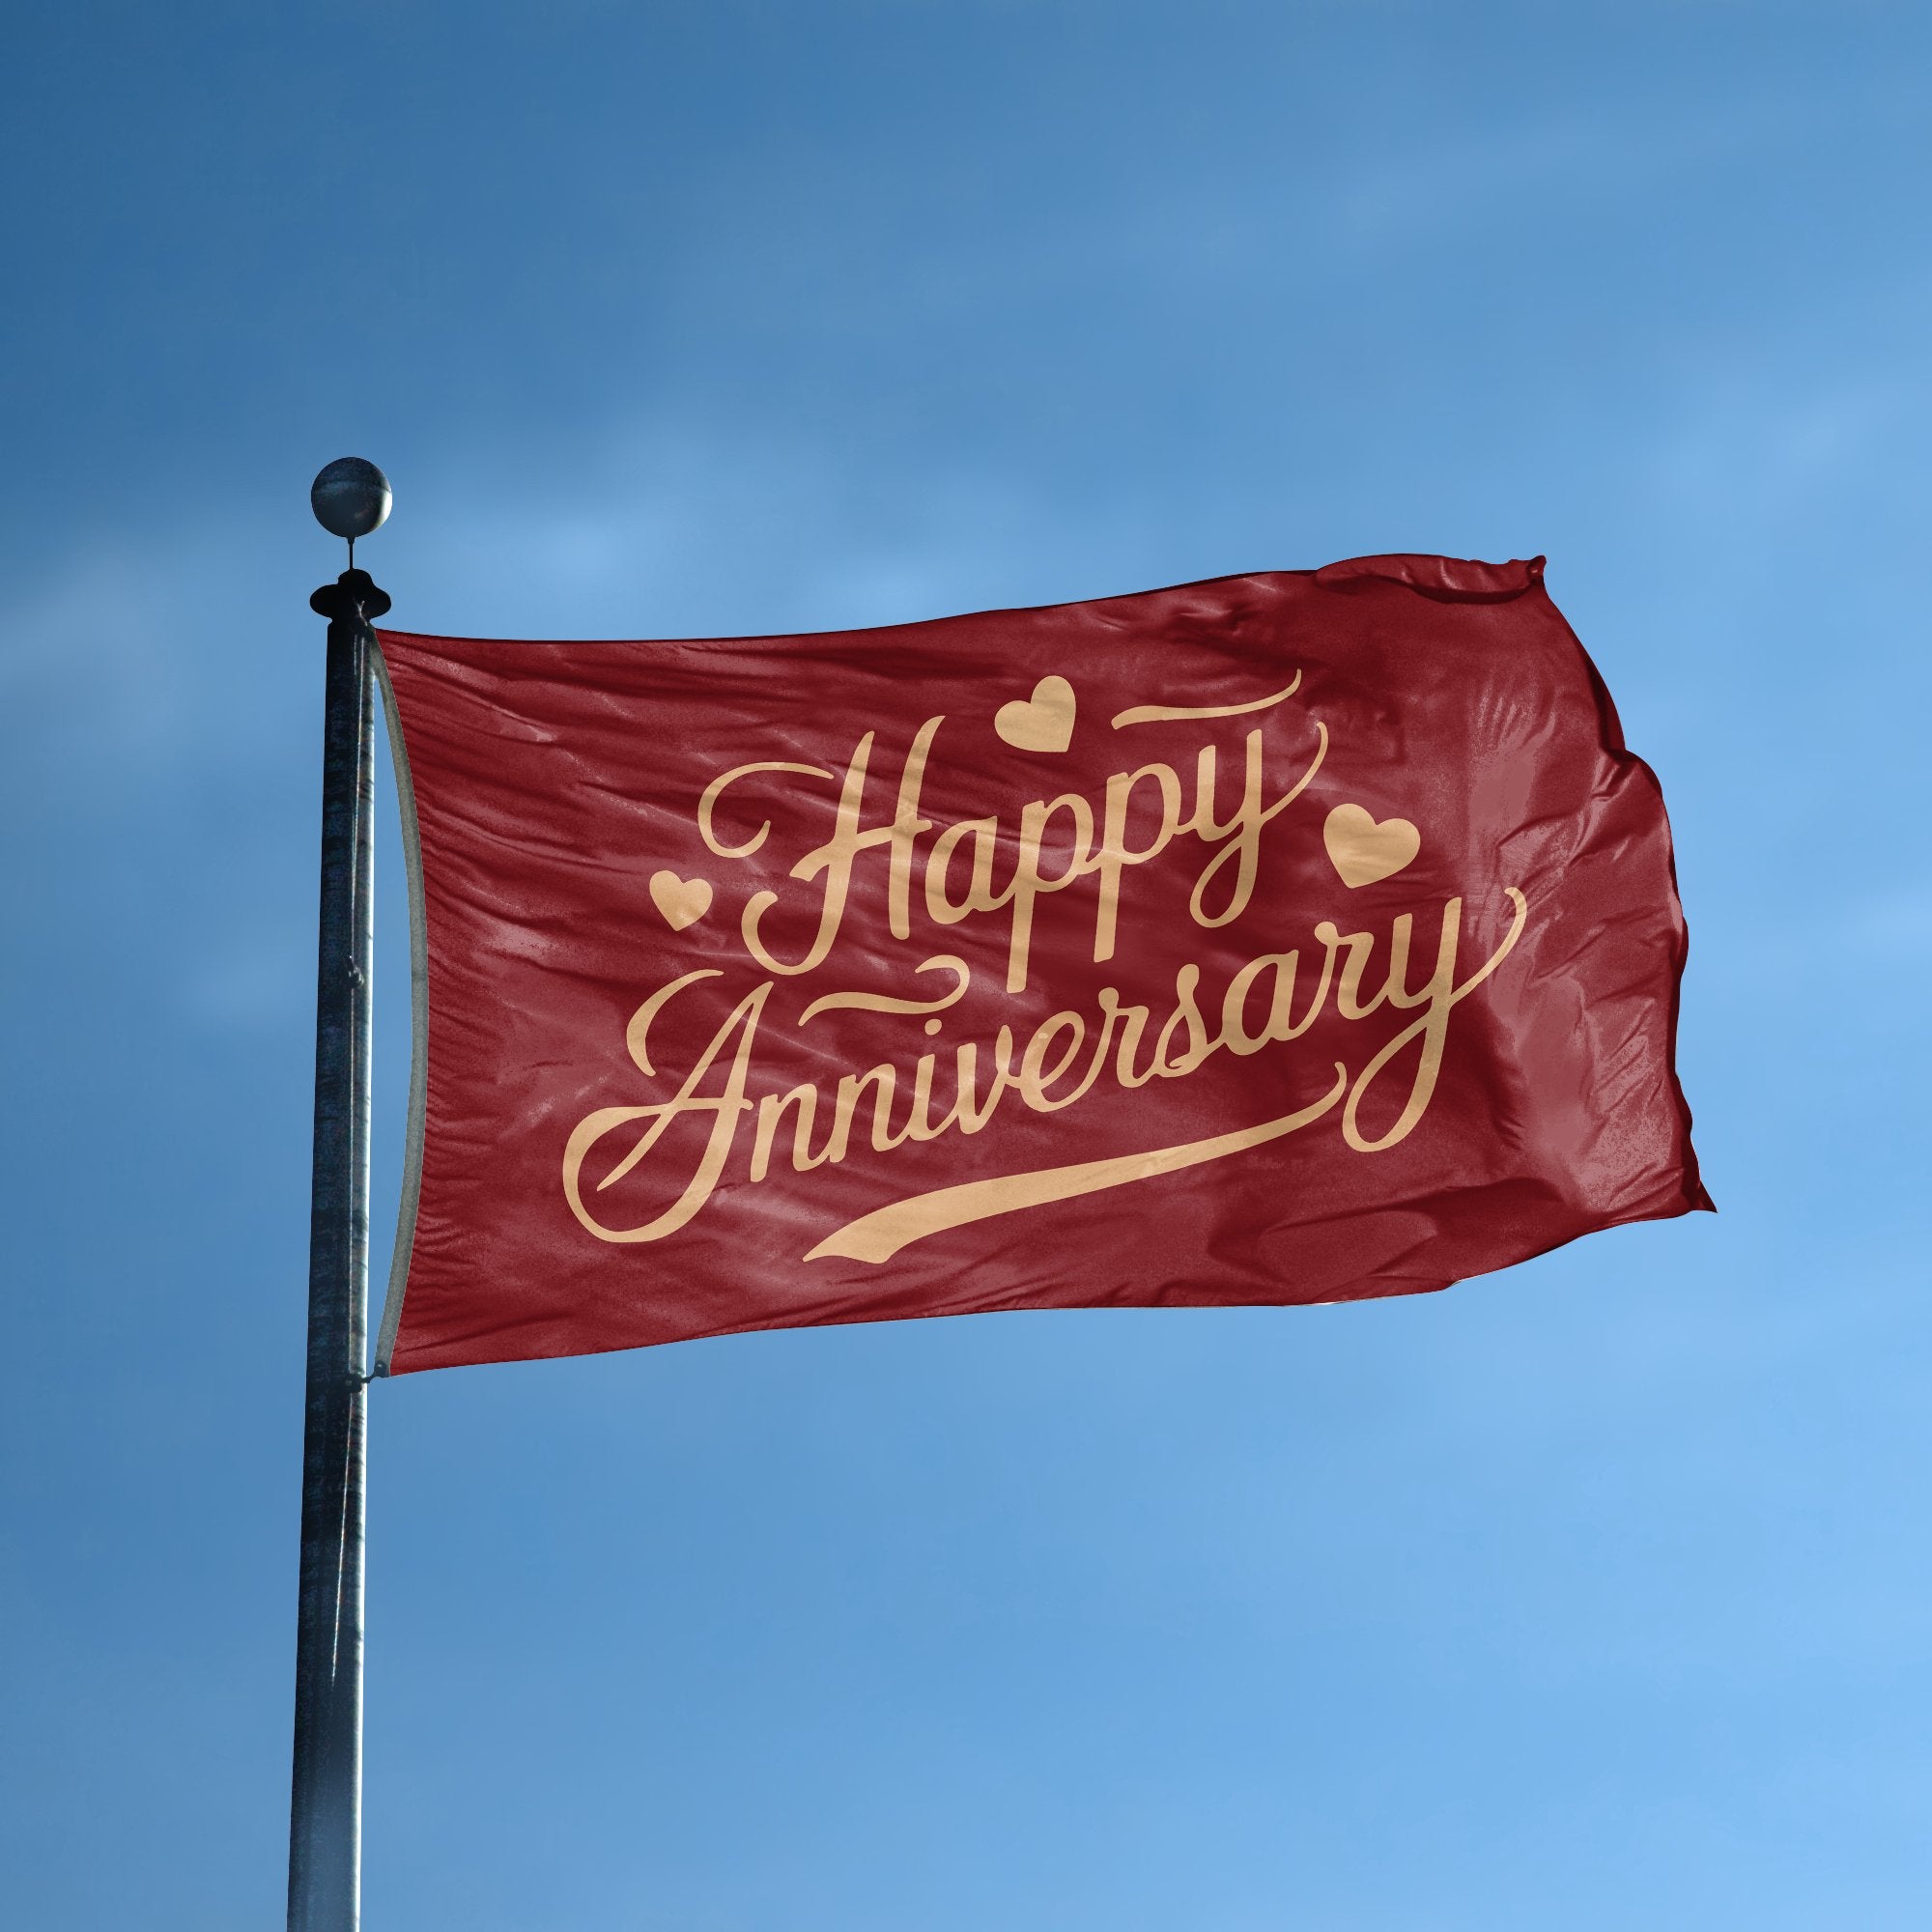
(1294, 937)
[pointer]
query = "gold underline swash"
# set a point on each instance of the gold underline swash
(1168, 714)
(879, 1235)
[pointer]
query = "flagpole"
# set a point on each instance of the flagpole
(351, 498)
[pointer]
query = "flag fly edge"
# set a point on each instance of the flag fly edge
(413, 1153)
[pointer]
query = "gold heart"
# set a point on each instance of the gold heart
(1041, 722)
(682, 901)
(1364, 851)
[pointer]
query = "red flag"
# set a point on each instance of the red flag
(1288, 938)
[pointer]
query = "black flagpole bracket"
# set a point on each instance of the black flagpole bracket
(354, 598)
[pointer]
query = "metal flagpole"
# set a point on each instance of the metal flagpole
(350, 497)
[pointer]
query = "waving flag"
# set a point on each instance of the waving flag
(1297, 937)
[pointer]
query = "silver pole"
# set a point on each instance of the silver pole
(326, 1814)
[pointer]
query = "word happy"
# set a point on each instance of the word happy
(1098, 847)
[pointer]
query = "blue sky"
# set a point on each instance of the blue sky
(1588, 1596)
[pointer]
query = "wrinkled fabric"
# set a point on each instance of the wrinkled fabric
(1297, 937)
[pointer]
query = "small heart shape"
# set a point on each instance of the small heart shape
(1364, 851)
(682, 901)
(1041, 722)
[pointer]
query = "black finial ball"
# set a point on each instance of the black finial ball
(350, 497)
